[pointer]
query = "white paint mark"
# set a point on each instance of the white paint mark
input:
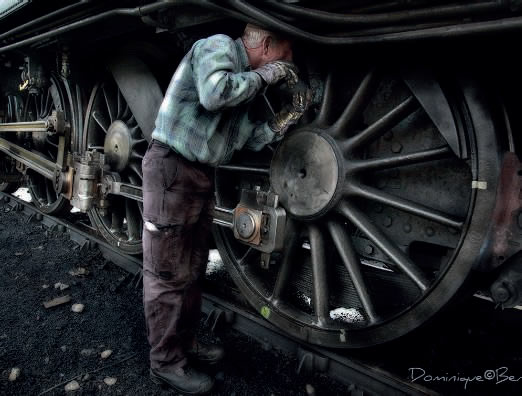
(480, 185)
(347, 315)
(303, 297)
(23, 194)
(215, 263)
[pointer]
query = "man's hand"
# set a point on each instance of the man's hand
(290, 114)
(274, 72)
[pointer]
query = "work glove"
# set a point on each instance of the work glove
(274, 72)
(291, 113)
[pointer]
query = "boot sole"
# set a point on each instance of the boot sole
(165, 383)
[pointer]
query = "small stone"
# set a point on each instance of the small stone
(61, 286)
(77, 308)
(45, 286)
(310, 390)
(14, 374)
(87, 352)
(86, 377)
(63, 348)
(72, 386)
(19, 253)
(105, 354)
(80, 271)
(110, 381)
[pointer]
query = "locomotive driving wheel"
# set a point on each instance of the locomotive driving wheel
(387, 207)
(39, 104)
(111, 128)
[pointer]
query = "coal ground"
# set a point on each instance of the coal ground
(463, 344)
(53, 345)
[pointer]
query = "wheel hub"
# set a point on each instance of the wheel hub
(305, 173)
(118, 146)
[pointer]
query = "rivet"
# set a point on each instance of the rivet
(396, 147)
(387, 221)
(368, 249)
(430, 231)
(406, 227)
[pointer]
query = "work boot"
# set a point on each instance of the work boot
(184, 379)
(209, 354)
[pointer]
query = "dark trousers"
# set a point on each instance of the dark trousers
(177, 214)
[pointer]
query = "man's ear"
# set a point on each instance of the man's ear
(266, 44)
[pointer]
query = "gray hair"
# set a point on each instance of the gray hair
(254, 35)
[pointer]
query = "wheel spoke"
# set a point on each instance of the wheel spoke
(374, 234)
(406, 205)
(326, 105)
(116, 220)
(118, 103)
(380, 126)
(48, 102)
(356, 105)
(320, 285)
(100, 121)
(136, 156)
(48, 192)
(133, 220)
(351, 262)
(108, 103)
(285, 272)
(399, 160)
(48, 141)
(136, 169)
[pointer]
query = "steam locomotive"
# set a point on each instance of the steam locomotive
(396, 191)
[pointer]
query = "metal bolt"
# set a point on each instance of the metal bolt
(500, 294)
(396, 147)
(369, 249)
(387, 221)
(406, 227)
(430, 231)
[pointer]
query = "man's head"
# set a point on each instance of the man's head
(263, 46)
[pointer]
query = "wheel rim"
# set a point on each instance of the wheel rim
(39, 104)
(369, 244)
(111, 128)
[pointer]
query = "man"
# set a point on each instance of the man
(203, 119)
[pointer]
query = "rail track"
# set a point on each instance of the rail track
(360, 377)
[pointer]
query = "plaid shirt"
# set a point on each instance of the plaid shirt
(204, 115)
